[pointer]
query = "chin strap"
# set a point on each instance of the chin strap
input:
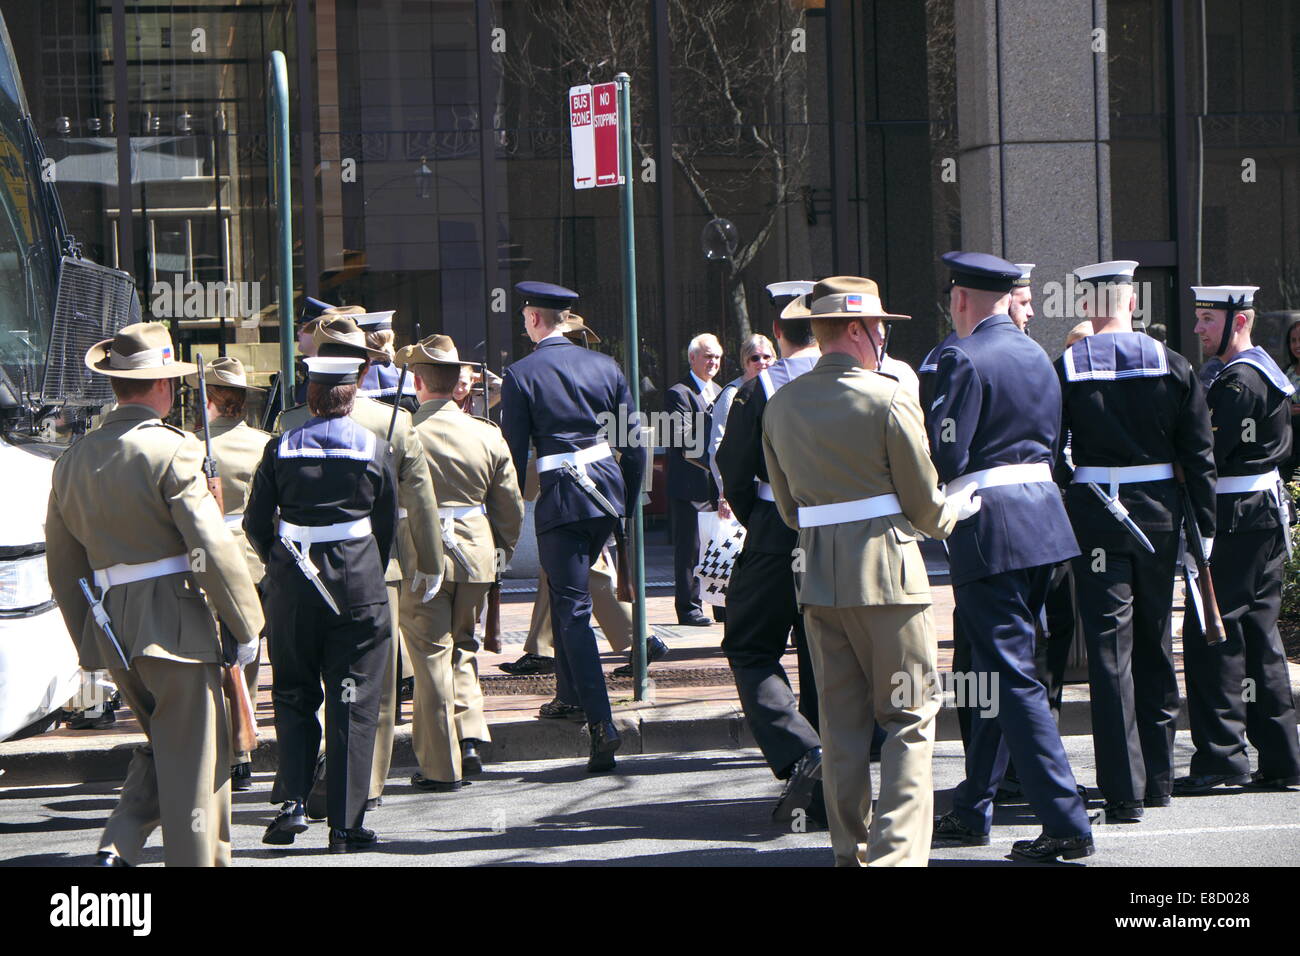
(1233, 307)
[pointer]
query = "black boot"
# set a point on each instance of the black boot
(288, 823)
(470, 760)
(604, 742)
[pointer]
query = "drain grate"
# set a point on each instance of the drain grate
(505, 685)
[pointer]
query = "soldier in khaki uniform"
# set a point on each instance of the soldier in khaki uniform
(849, 467)
(419, 546)
(238, 448)
(130, 511)
(482, 514)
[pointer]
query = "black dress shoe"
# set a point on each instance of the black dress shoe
(1047, 848)
(349, 841)
(799, 785)
(655, 650)
(93, 719)
(1195, 784)
(421, 782)
(470, 761)
(695, 620)
(529, 664)
(1127, 811)
(604, 742)
(558, 709)
(950, 829)
(109, 858)
(288, 823)
(317, 798)
(241, 777)
(1259, 782)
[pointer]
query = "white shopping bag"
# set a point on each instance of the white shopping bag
(720, 541)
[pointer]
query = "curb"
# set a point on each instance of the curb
(646, 729)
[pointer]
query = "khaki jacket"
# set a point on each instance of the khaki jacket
(841, 433)
(238, 449)
(471, 464)
(133, 491)
(419, 541)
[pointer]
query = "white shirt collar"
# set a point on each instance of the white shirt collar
(557, 333)
(707, 389)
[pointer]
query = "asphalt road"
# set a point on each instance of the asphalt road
(711, 808)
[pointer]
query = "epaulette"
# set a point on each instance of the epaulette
(486, 421)
(159, 423)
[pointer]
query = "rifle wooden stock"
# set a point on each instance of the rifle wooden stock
(623, 591)
(214, 486)
(1204, 579)
(492, 623)
(243, 722)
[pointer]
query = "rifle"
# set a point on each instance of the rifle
(492, 622)
(243, 722)
(1204, 581)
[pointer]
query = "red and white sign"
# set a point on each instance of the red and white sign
(583, 137)
(604, 113)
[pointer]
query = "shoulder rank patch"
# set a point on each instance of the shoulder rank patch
(486, 421)
(159, 423)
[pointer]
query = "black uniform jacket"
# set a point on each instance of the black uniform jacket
(1127, 400)
(1250, 407)
(326, 471)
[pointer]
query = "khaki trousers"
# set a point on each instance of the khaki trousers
(468, 606)
(877, 663)
(430, 631)
(388, 703)
(613, 616)
(181, 779)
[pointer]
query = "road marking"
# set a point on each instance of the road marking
(1131, 830)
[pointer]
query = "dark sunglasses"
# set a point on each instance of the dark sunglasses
(758, 358)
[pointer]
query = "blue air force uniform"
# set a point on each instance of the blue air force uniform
(1132, 408)
(1250, 408)
(329, 486)
(381, 381)
(993, 423)
(572, 403)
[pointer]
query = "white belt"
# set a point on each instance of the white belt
(765, 492)
(321, 534)
(1024, 474)
(235, 521)
(1240, 484)
(457, 513)
(130, 573)
(1123, 475)
(579, 458)
(842, 512)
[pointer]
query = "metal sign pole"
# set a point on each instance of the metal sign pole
(631, 339)
(277, 130)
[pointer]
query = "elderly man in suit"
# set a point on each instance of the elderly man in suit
(691, 489)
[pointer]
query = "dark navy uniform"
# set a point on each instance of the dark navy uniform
(1250, 408)
(993, 423)
(381, 383)
(762, 608)
(1128, 401)
(566, 401)
(326, 473)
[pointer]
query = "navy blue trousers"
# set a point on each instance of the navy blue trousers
(999, 614)
(567, 553)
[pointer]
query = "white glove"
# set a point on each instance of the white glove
(965, 502)
(429, 584)
(246, 654)
(1207, 544)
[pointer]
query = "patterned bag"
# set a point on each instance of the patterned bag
(721, 540)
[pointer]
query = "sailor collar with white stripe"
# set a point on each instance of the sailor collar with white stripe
(1261, 360)
(1114, 356)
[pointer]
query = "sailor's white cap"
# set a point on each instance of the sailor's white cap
(1117, 270)
(1225, 296)
(333, 370)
